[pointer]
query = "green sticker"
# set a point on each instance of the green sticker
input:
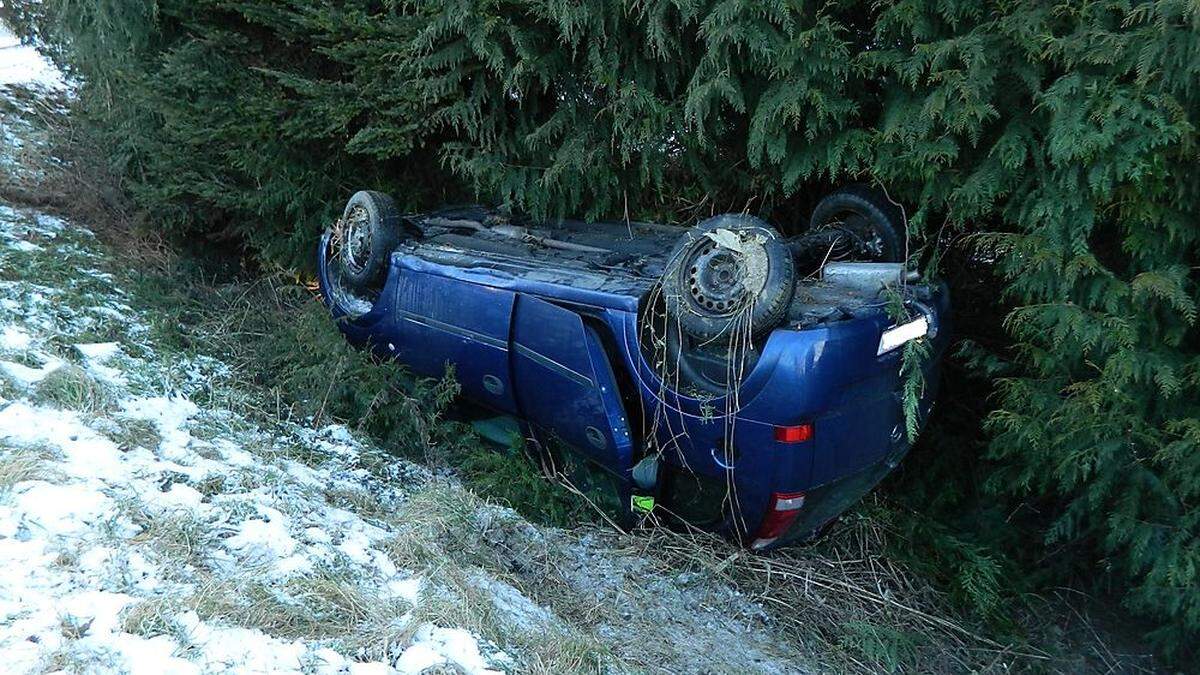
(643, 503)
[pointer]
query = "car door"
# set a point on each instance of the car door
(443, 320)
(565, 384)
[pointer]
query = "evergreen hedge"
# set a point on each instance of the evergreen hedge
(1064, 135)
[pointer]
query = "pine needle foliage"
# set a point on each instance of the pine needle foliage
(1068, 130)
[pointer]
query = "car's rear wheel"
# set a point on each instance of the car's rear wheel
(729, 279)
(365, 237)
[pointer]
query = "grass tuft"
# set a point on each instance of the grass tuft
(25, 463)
(177, 536)
(72, 388)
(128, 433)
(153, 617)
(329, 604)
(8, 390)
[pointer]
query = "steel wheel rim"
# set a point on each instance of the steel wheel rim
(356, 242)
(714, 279)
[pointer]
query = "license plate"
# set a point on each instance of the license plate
(895, 337)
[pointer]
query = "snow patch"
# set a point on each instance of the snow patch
(60, 510)
(26, 376)
(169, 414)
(240, 649)
(87, 454)
(22, 64)
(433, 645)
(100, 351)
(408, 590)
(263, 540)
(15, 338)
(95, 355)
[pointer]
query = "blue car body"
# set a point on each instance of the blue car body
(558, 348)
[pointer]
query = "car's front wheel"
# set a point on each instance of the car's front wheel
(866, 226)
(365, 237)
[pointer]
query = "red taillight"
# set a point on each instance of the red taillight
(785, 506)
(796, 434)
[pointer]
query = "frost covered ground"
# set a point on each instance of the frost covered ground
(137, 529)
(145, 527)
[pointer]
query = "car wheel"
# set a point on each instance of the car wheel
(365, 237)
(871, 220)
(729, 277)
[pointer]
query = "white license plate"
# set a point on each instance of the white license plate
(895, 337)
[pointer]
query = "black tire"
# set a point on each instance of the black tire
(368, 232)
(707, 315)
(868, 212)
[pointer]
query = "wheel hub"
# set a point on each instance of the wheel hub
(715, 279)
(855, 237)
(357, 239)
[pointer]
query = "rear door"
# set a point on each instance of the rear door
(565, 384)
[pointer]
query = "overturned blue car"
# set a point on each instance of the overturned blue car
(724, 374)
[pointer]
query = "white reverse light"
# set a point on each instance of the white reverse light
(894, 337)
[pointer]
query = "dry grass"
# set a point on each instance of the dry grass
(459, 599)
(24, 463)
(870, 615)
(70, 657)
(128, 433)
(153, 617)
(8, 390)
(834, 600)
(439, 530)
(178, 536)
(72, 388)
(358, 500)
(327, 604)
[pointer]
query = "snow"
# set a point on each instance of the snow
(27, 376)
(100, 351)
(151, 656)
(259, 540)
(14, 338)
(433, 645)
(242, 649)
(86, 453)
(22, 64)
(178, 497)
(408, 590)
(95, 356)
(59, 511)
